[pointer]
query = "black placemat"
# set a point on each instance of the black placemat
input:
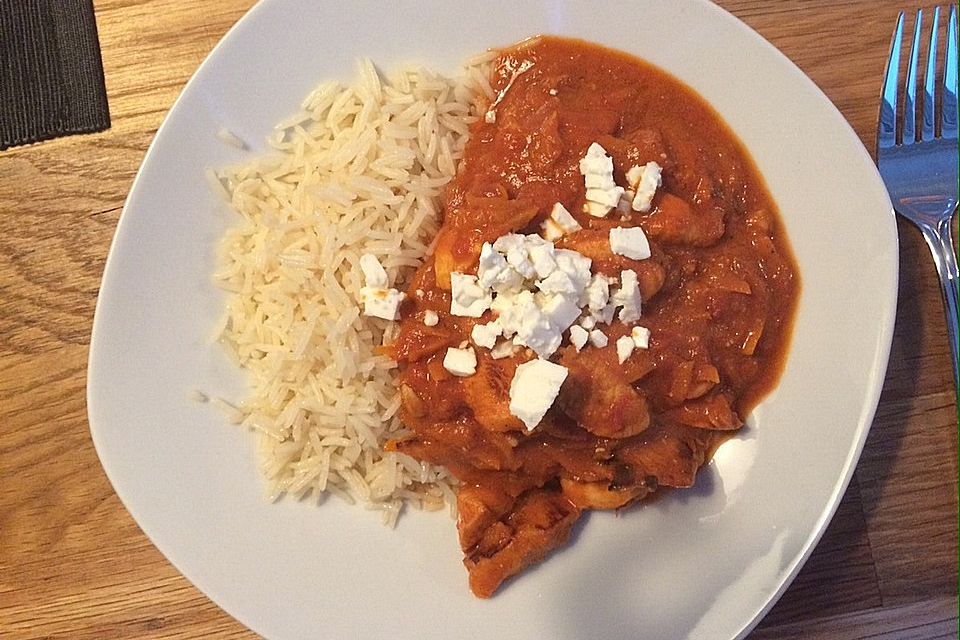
(51, 75)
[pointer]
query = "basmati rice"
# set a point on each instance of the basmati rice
(360, 169)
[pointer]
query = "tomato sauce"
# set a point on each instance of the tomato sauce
(719, 294)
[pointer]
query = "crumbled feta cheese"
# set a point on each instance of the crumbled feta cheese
(533, 390)
(559, 223)
(490, 117)
(624, 348)
(645, 182)
(597, 292)
(374, 275)
(598, 338)
(491, 264)
(578, 337)
(519, 259)
(430, 318)
(560, 310)
(503, 349)
(575, 265)
(628, 297)
(594, 209)
(630, 242)
(512, 308)
(468, 298)
(604, 315)
(541, 256)
(596, 161)
(520, 316)
(523, 319)
(381, 303)
(552, 92)
(608, 197)
(485, 335)
(460, 362)
(588, 322)
(537, 332)
(494, 273)
(603, 194)
(510, 271)
(420, 293)
(641, 337)
(504, 243)
(558, 282)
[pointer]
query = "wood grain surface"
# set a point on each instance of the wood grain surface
(73, 564)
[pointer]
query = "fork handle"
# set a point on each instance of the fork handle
(940, 240)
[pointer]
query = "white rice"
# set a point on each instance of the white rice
(359, 169)
(230, 138)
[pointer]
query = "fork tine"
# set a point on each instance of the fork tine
(910, 95)
(887, 126)
(929, 105)
(948, 117)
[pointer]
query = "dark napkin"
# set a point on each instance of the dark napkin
(51, 75)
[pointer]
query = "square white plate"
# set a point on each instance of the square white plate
(705, 563)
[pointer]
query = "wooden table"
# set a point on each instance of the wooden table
(73, 564)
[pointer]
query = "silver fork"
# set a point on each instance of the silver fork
(920, 170)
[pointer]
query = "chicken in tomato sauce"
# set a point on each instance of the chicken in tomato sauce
(668, 322)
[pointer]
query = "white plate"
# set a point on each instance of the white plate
(705, 563)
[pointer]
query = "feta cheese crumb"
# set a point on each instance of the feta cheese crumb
(588, 322)
(541, 256)
(597, 292)
(552, 92)
(485, 335)
(598, 338)
(381, 303)
(538, 333)
(519, 259)
(644, 181)
(494, 273)
(469, 298)
(558, 282)
(430, 318)
(603, 194)
(630, 242)
(624, 348)
(503, 349)
(559, 223)
(533, 390)
(490, 117)
(604, 315)
(378, 300)
(578, 337)
(504, 243)
(373, 273)
(560, 310)
(628, 297)
(641, 337)
(575, 265)
(460, 362)
(536, 291)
